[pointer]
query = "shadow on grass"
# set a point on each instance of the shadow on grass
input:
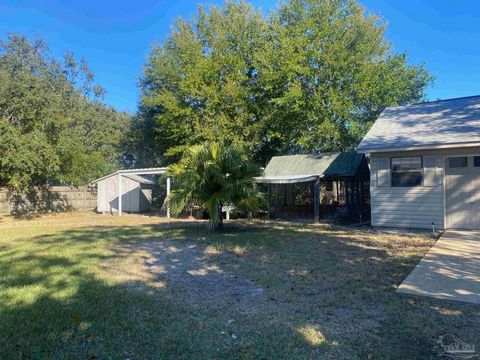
(327, 292)
(36, 201)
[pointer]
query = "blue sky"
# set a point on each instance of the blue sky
(114, 37)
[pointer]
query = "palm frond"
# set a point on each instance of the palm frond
(213, 174)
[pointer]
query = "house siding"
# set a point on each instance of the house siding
(411, 207)
(407, 207)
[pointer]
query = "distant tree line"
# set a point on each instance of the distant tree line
(54, 127)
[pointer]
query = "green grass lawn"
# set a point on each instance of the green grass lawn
(86, 286)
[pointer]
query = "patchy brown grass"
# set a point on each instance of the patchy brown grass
(80, 285)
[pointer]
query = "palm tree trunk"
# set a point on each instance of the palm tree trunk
(220, 226)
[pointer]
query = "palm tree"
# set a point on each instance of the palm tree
(213, 175)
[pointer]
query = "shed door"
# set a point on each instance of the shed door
(462, 192)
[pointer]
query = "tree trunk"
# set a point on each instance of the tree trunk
(220, 226)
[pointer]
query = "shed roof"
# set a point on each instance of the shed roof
(131, 173)
(436, 124)
(140, 179)
(327, 164)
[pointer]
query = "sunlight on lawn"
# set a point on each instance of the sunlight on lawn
(312, 335)
(91, 286)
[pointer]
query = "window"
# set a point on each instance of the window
(476, 161)
(407, 171)
(457, 162)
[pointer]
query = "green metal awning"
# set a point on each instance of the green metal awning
(326, 164)
(288, 179)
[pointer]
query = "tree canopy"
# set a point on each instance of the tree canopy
(53, 125)
(311, 76)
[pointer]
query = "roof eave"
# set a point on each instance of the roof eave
(146, 171)
(418, 147)
(104, 177)
(286, 179)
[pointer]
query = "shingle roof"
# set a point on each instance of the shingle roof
(328, 164)
(453, 121)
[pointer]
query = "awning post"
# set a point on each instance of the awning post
(316, 200)
(168, 200)
(119, 194)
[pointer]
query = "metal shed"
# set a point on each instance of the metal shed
(328, 185)
(135, 190)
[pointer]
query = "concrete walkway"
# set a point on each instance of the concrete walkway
(450, 270)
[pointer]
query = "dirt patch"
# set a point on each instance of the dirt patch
(180, 268)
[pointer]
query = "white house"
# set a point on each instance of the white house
(425, 165)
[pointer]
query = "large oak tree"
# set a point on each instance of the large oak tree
(311, 76)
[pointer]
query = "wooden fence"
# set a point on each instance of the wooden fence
(48, 199)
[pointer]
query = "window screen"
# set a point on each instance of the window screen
(303, 194)
(407, 171)
(457, 162)
(329, 186)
